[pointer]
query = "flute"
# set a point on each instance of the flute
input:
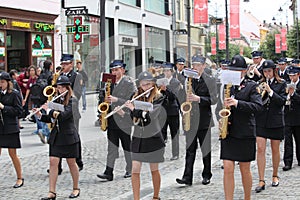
(40, 108)
(122, 106)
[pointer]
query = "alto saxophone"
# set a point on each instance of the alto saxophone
(224, 114)
(186, 108)
(104, 106)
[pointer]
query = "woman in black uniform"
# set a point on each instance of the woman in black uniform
(10, 109)
(63, 140)
(147, 144)
(239, 145)
(270, 122)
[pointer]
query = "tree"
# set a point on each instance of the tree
(268, 46)
(292, 42)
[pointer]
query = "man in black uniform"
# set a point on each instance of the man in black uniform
(171, 105)
(204, 95)
(292, 115)
(282, 63)
(120, 124)
(257, 57)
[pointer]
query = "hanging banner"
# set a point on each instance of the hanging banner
(283, 40)
(277, 43)
(200, 11)
(213, 46)
(222, 37)
(235, 18)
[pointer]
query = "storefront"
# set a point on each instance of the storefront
(26, 38)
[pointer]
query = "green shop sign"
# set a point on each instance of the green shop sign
(3, 22)
(44, 27)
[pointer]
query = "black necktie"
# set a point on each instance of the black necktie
(269, 82)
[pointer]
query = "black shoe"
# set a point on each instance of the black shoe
(286, 168)
(50, 198)
(183, 181)
(275, 183)
(73, 196)
(59, 171)
(298, 163)
(174, 158)
(258, 189)
(127, 175)
(206, 181)
(19, 185)
(105, 176)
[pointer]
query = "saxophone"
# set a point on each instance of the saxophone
(224, 114)
(104, 106)
(186, 107)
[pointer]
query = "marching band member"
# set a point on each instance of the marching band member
(256, 67)
(120, 124)
(64, 138)
(239, 145)
(270, 122)
(292, 116)
(147, 144)
(204, 95)
(10, 109)
(282, 63)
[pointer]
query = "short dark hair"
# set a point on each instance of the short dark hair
(12, 72)
(47, 64)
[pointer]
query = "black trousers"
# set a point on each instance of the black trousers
(114, 136)
(290, 132)
(173, 123)
(204, 137)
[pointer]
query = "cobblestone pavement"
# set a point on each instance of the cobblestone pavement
(34, 159)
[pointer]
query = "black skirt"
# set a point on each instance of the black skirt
(235, 149)
(149, 157)
(270, 133)
(10, 141)
(64, 151)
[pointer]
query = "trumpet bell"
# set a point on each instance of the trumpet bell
(186, 107)
(103, 107)
(224, 113)
(49, 91)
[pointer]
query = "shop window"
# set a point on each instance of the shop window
(157, 6)
(2, 51)
(41, 48)
(131, 2)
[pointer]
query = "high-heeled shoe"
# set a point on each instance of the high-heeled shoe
(50, 198)
(73, 196)
(259, 188)
(156, 198)
(19, 185)
(275, 183)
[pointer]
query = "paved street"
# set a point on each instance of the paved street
(34, 159)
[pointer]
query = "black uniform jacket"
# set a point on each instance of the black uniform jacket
(181, 93)
(292, 111)
(171, 103)
(242, 118)
(123, 91)
(147, 135)
(64, 131)
(285, 75)
(206, 88)
(12, 109)
(75, 79)
(272, 114)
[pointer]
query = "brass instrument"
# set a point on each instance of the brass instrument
(250, 72)
(224, 114)
(262, 87)
(186, 107)
(104, 107)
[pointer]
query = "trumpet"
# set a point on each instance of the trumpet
(250, 72)
(40, 108)
(262, 87)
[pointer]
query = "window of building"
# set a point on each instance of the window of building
(157, 6)
(178, 9)
(2, 51)
(131, 2)
(129, 29)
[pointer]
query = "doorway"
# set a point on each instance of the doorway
(128, 56)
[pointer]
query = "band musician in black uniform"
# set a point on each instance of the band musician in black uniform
(203, 96)
(240, 143)
(120, 124)
(292, 116)
(270, 122)
(255, 68)
(282, 63)
(172, 107)
(178, 74)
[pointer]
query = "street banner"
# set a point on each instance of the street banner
(283, 40)
(235, 18)
(200, 11)
(222, 37)
(213, 46)
(277, 43)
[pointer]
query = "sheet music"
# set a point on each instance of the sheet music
(162, 81)
(56, 106)
(228, 76)
(142, 105)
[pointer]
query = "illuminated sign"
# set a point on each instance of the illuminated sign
(76, 12)
(20, 24)
(42, 52)
(78, 29)
(44, 27)
(3, 22)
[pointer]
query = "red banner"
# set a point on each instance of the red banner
(277, 43)
(200, 11)
(222, 37)
(283, 40)
(235, 19)
(213, 46)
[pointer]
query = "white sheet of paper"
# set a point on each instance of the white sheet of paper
(142, 105)
(228, 76)
(162, 81)
(56, 106)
